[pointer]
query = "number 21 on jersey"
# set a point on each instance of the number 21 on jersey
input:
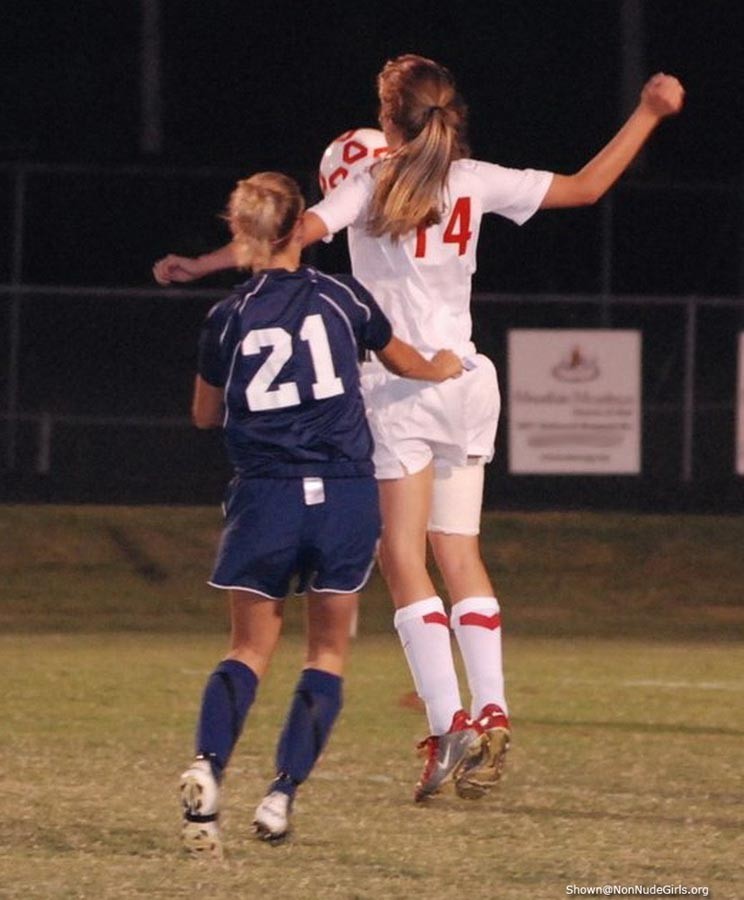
(260, 395)
(457, 231)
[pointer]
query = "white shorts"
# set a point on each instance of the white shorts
(416, 422)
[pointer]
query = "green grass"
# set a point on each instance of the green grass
(624, 674)
(625, 768)
(144, 568)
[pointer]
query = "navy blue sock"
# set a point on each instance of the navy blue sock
(228, 696)
(315, 706)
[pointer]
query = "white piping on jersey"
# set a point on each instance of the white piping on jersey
(349, 291)
(224, 331)
(240, 309)
(342, 314)
(255, 290)
(227, 384)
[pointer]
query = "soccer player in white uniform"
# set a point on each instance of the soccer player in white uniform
(413, 224)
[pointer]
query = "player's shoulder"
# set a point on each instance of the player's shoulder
(347, 292)
(341, 282)
(363, 179)
(349, 194)
(221, 312)
(475, 169)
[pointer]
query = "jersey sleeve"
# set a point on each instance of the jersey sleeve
(515, 194)
(212, 358)
(371, 326)
(345, 204)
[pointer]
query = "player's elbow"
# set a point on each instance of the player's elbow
(207, 405)
(402, 369)
(205, 419)
(574, 190)
(586, 193)
(400, 358)
(591, 197)
(401, 366)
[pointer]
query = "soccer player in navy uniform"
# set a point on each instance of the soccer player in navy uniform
(278, 370)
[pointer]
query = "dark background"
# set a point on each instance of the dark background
(249, 86)
(267, 84)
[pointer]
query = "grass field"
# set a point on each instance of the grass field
(625, 672)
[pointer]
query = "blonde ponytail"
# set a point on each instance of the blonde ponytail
(419, 99)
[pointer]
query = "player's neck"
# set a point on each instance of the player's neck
(288, 258)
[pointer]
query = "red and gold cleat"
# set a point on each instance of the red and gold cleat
(478, 777)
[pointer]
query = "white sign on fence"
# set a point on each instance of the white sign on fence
(574, 401)
(740, 410)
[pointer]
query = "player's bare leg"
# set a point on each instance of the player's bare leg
(423, 628)
(461, 565)
(255, 628)
(475, 619)
(314, 709)
(329, 620)
(405, 503)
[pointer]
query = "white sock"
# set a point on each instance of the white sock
(423, 629)
(476, 622)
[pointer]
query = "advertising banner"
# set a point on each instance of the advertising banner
(574, 401)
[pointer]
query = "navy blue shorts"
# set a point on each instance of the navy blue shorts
(323, 533)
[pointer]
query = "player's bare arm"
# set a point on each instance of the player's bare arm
(173, 269)
(207, 408)
(404, 360)
(314, 229)
(662, 96)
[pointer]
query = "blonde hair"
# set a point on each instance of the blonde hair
(419, 98)
(262, 212)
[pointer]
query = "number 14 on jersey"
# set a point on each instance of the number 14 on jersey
(457, 231)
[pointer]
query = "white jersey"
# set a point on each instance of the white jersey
(423, 281)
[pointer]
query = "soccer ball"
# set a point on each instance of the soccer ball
(351, 151)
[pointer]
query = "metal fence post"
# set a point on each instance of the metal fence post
(14, 324)
(606, 257)
(688, 390)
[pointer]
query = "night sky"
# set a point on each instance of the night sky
(250, 86)
(264, 83)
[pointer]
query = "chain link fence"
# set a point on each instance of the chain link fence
(99, 361)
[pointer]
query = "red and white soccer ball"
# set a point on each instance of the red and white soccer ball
(350, 152)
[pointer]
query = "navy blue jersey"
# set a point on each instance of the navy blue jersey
(285, 348)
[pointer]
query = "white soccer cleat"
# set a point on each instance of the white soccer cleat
(200, 799)
(271, 821)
